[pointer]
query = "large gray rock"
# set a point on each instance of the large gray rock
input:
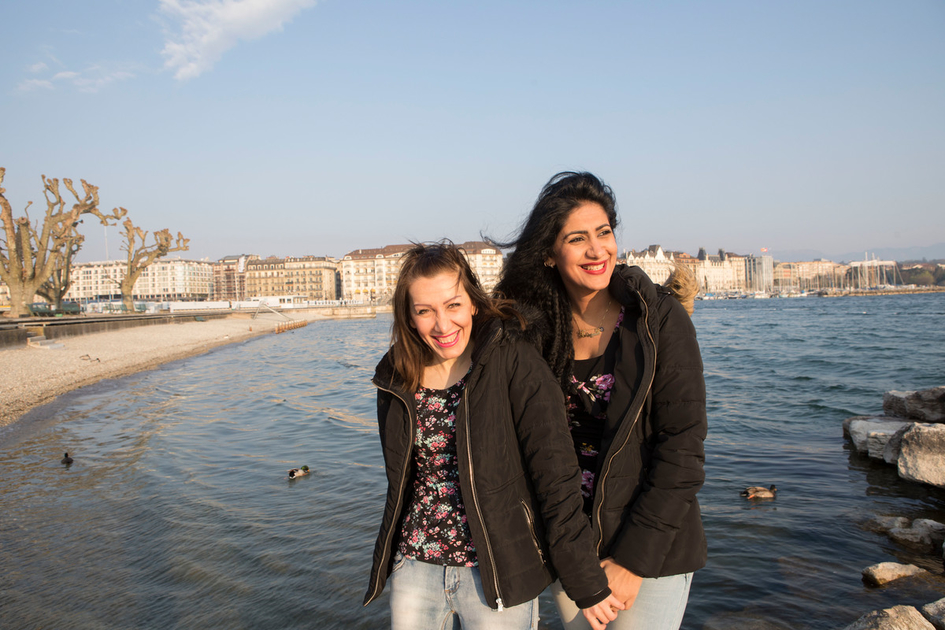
(935, 613)
(848, 421)
(895, 618)
(885, 523)
(893, 445)
(924, 534)
(927, 405)
(886, 572)
(922, 454)
(860, 427)
(876, 442)
(933, 531)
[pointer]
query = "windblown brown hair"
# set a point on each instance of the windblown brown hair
(409, 353)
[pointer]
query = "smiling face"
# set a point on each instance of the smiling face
(585, 251)
(442, 313)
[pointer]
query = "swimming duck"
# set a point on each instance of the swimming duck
(759, 492)
(66, 460)
(298, 472)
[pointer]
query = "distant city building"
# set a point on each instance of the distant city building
(485, 260)
(721, 272)
(759, 273)
(371, 274)
(164, 280)
(725, 272)
(657, 264)
(312, 277)
(265, 277)
(229, 278)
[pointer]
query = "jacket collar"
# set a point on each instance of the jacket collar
(627, 282)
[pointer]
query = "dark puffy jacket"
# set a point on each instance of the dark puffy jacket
(645, 514)
(518, 474)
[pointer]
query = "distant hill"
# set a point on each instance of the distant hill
(930, 252)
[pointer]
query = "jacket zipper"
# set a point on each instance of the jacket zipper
(400, 494)
(610, 459)
(531, 528)
(475, 502)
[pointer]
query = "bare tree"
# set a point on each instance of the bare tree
(54, 289)
(140, 255)
(30, 253)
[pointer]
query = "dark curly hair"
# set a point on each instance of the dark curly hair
(537, 290)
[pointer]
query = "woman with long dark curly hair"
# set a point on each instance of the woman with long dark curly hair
(624, 352)
(483, 502)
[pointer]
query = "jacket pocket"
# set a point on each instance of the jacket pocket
(399, 561)
(531, 528)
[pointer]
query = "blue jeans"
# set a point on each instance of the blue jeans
(660, 605)
(426, 596)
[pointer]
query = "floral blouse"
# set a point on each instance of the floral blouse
(591, 386)
(434, 528)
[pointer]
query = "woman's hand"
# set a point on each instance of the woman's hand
(603, 613)
(624, 583)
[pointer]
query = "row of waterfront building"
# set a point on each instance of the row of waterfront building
(369, 275)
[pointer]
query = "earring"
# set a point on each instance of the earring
(549, 265)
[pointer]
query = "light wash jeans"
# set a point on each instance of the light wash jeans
(660, 605)
(426, 596)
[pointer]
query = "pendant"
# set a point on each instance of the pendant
(583, 334)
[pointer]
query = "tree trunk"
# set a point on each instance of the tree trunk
(127, 297)
(19, 301)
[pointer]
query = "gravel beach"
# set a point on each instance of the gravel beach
(30, 377)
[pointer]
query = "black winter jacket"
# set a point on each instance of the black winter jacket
(518, 474)
(645, 513)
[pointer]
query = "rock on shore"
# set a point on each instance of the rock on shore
(927, 405)
(886, 572)
(911, 436)
(913, 441)
(922, 454)
(935, 613)
(895, 618)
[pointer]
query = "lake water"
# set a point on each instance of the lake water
(177, 512)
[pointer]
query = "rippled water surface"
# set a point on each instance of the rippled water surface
(177, 512)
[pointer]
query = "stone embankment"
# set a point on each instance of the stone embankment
(910, 435)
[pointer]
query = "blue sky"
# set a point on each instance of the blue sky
(295, 127)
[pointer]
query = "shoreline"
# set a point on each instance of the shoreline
(33, 377)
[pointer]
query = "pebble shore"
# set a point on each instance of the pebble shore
(30, 377)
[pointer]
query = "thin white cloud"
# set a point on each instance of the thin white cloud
(34, 84)
(209, 28)
(38, 67)
(96, 83)
(92, 79)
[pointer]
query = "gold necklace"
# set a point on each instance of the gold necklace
(584, 334)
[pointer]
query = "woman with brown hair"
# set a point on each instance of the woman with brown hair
(483, 506)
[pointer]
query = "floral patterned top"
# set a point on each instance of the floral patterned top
(591, 386)
(434, 528)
